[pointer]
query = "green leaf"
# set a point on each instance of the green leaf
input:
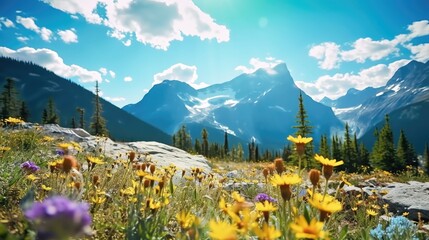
(344, 232)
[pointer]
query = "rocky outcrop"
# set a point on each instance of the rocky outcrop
(158, 153)
(412, 197)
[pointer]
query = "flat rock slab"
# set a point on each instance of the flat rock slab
(158, 153)
(412, 197)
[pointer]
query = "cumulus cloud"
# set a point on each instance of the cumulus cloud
(51, 61)
(330, 54)
(420, 52)
(112, 73)
(103, 71)
(327, 54)
(22, 39)
(30, 24)
(181, 72)
(68, 36)
(337, 85)
(153, 22)
(255, 63)
(128, 79)
(6, 22)
(115, 99)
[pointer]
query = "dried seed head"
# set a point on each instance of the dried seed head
(278, 163)
(314, 176)
(69, 162)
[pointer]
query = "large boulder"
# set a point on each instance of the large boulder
(412, 197)
(154, 152)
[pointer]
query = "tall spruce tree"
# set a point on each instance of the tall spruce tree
(50, 115)
(98, 124)
(225, 144)
(24, 113)
(348, 152)
(205, 145)
(304, 129)
(81, 112)
(324, 147)
(336, 148)
(383, 155)
(426, 158)
(405, 152)
(9, 100)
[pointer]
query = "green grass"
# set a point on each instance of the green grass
(124, 205)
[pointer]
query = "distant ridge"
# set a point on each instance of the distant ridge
(36, 85)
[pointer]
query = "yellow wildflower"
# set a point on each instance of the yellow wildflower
(237, 197)
(13, 121)
(267, 232)
(328, 165)
(32, 177)
(186, 220)
(312, 230)
(371, 212)
(222, 230)
(46, 188)
(94, 160)
(98, 200)
(48, 139)
(300, 143)
(284, 181)
(325, 203)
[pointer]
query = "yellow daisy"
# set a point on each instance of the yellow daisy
(306, 230)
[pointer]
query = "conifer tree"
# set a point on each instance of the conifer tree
(405, 153)
(348, 152)
(426, 158)
(324, 147)
(287, 153)
(197, 146)
(363, 156)
(383, 154)
(336, 148)
(24, 113)
(304, 129)
(49, 115)
(81, 112)
(225, 144)
(10, 104)
(205, 145)
(98, 124)
(73, 123)
(240, 152)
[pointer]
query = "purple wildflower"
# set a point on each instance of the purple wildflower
(60, 152)
(58, 218)
(262, 197)
(29, 166)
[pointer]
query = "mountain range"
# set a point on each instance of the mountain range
(36, 86)
(261, 106)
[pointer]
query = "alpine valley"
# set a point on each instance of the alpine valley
(262, 106)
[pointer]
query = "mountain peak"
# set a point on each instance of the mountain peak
(281, 68)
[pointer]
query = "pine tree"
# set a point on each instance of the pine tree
(73, 123)
(348, 152)
(50, 115)
(304, 129)
(10, 104)
(287, 153)
(240, 152)
(426, 158)
(336, 148)
(205, 145)
(197, 146)
(363, 156)
(405, 152)
(24, 113)
(98, 124)
(324, 147)
(81, 112)
(225, 144)
(383, 155)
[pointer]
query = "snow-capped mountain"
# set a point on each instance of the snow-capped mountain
(409, 85)
(262, 105)
(352, 98)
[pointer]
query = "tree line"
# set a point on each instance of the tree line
(11, 105)
(384, 154)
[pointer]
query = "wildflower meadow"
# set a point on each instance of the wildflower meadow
(51, 188)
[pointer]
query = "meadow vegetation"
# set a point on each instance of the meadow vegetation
(53, 189)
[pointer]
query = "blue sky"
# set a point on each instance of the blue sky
(130, 45)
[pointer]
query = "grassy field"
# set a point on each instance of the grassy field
(53, 189)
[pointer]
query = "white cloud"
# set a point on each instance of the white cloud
(268, 64)
(30, 24)
(338, 84)
(420, 52)
(103, 71)
(53, 62)
(68, 36)
(115, 99)
(366, 48)
(6, 22)
(153, 22)
(128, 79)
(181, 72)
(22, 39)
(112, 73)
(327, 54)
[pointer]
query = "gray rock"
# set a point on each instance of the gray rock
(412, 197)
(157, 153)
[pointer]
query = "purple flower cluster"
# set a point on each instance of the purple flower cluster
(262, 197)
(29, 167)
(58, 218)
